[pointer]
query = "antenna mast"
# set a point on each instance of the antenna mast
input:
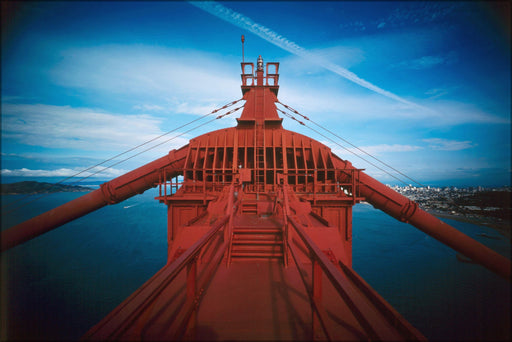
(243, 40)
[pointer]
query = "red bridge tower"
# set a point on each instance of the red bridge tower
(259, 234)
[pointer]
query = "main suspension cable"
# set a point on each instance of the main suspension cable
(132, 149)
(348, 142)
(161, 143)
(343, 147)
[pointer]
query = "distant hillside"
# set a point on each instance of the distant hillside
(31, 187)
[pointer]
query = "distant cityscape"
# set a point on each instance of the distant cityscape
(472, 203)
(491, 203)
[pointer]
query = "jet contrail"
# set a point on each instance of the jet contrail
(246, 23)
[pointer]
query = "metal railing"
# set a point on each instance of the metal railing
(362, 306)
(231, 210)
(125, 315)
(358, 296)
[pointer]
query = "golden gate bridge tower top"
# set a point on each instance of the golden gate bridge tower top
(259, 231)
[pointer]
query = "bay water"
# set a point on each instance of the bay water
(58, 285)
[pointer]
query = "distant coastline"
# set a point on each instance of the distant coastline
(32, 187)
(488, 207)
(502, 226)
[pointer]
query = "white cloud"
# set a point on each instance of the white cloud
(192, 108)
(149, 107)
(343, 55)
(426, 62)
(354, 25)
(9, 98)
(420, 13)
(423, 62)
(244, 22)
(373, 164)
(160, 78)
(375, 150)
(326, 106)
(447, 113)
(190, 82)
(384, 148)
(76, 128)
(448, 145)
(62, 172)
(439, 92)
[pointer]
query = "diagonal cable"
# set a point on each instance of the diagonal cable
(161, 143)
(343, 147)
(348, 142)
(131, 149)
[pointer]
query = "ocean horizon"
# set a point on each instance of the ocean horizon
(58, 285)
(96, 181)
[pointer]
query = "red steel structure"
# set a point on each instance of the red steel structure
(259, 236)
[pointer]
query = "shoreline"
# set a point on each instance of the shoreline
(44, 192)
(503, 227)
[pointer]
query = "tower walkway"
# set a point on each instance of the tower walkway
(200, 295)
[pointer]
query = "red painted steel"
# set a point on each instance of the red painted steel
(114, 191)
(405, 210)
(257, 192)
(378, 324)
(122, 320)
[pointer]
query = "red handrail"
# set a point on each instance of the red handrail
(364, 312)
(127, 312)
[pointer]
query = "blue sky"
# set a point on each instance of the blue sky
(423, 86)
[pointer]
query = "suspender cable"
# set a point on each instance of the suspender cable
(138, 146)
(348, 142)
(400, 180)
(343, 147)
(164, 142)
